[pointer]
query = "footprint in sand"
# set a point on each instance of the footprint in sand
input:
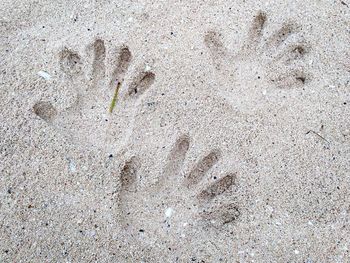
(200, 198)
(105, 104)
(264, 62)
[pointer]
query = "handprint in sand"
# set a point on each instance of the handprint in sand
(105, 103)
(266, 63)
(179, 200)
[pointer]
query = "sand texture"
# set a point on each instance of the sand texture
(175, 131)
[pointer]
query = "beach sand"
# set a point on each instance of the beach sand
(175, 131)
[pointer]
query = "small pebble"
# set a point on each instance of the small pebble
(71, 165)
(168, 212)
(44, 75)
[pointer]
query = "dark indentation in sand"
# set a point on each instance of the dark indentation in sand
(45, 110)
(221, 214)
(299, 50)
(141, 84)
(98, 64)
(70, 62)
(257, 27)
(177, 156)
(122, 65)
(202, 167)
(281, 35)
(217, 188)
(213, 42)
(128, 175)
(301, 79)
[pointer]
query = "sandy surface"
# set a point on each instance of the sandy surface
(229, 140)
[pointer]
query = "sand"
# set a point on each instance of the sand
(229, 138)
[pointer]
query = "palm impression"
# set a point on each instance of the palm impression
(105, 103)
(266, 63)
(202, 197)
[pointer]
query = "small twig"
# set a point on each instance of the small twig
(115, 97)
(344, 3)
(320, 136)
